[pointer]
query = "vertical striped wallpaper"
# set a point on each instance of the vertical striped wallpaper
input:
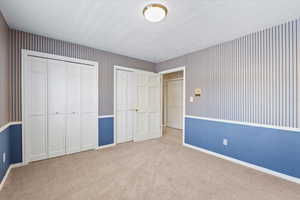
(22, 40)
(251, 79)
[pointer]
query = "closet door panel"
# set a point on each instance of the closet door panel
(89, 131)
(148, 115)
(122, 106)
(73, 139)
(57, 101)
(57, 78)
(89, 90)
(73, 133)
(38, 138)
(38, 92)
(121, 127)
(73, 88)
(89, 107)
(126, 94)
(36, 109)
(57, 135)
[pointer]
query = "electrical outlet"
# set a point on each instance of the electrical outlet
(225, 142)
(4, 157)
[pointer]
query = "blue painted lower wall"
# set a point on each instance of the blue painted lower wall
(4, 147)
(11, 145)
(106, 131)
(274, 149)
(15, 140)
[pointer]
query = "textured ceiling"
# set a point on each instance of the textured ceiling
(118, 26)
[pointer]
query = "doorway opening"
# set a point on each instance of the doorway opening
(173, 104)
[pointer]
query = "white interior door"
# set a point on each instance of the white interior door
(36, 115)
(73, 143)
(57, 95)
(174, 103)
(148, 104)
(89, 107)
(126, 103)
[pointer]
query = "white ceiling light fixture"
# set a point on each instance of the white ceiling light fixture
(155, 12)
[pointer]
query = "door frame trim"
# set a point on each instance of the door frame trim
(25, 53)
(117, 67)
(176, 69)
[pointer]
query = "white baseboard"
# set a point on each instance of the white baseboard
(106, 146)
(8, 171)
(262, 169)
(5, 177)
(16, 165)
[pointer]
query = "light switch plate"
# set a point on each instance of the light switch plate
(191, 99)
(225, 142)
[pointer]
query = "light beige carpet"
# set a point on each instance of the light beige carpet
(156, 169)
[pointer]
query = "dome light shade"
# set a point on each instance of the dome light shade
(155, 12)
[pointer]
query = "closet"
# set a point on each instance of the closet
(61, 107)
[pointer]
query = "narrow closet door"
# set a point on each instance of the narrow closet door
(57, 77)
(36, 109)
(126, 105)
(73, 108)
(121, 118)
(89, 107)
(131, 104)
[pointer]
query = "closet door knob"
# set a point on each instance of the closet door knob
(56, 113)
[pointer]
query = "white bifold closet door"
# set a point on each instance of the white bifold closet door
(126, 105)
(89, 107)
(73, 142)
(36, 109)
(57, 102)
(61, 111)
